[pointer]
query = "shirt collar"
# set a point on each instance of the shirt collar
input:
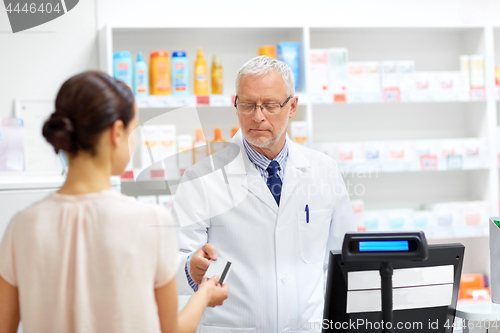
(263, 162)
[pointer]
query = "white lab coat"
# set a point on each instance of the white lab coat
(279, 260)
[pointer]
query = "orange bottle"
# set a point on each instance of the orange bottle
(217, 143)
(268, 50)
(234, 130)
(200, 75)
(159, 73)
(200, 146)
(217, 77)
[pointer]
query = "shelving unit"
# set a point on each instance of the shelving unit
(432, 49)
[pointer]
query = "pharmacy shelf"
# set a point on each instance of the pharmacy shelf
(389, 168)
(147, 187)
(458, 232)
(29, 182)
(152, 102)
(362, 117)
(328, 99)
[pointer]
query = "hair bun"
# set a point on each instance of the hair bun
(58, 130)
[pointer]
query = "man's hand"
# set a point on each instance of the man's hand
(201, 260)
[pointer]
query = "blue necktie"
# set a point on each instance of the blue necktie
(274, 181)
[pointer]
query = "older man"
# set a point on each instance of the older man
(287, 207)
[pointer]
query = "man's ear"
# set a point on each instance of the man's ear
(293, 106)
(117, 132)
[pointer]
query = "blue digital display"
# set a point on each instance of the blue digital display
(383, 246)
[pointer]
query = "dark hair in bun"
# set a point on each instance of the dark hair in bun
(86, 105)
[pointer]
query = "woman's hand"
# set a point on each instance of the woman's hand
(216, 292)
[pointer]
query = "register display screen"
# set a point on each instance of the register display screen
(384, 246)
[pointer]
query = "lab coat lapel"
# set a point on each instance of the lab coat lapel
(296, 165)
(243, 172)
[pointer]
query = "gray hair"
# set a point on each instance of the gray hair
(262, 65)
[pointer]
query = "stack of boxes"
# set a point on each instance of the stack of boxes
(418, 155)
(392, 81)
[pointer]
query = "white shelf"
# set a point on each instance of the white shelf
(25, 182)
(458, 232)
(153, 102)
(362, 117)
(413, 97)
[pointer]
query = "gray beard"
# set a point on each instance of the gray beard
(271, 141)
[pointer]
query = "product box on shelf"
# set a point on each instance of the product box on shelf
(423, 220)
(12, 158)
(426, 152)
(450, 87)
(319, 71)
(150, 152)
(451, 154)
(399, 219)
(400, 155)
(449, 215)
(372, 92)
(477, 77)
(166, 201)
(128, 173)
(148, 199)
(348, 153)
(475, 153)
(375, 220)
(406, 72)
(358, 209)
(298, 132)
(289, 53)
(423, 84)
(390, 81)
(465, 69)
(475, 213)
(497, 83)
(355, 82)
(185, 152)
(337, 60)
(168, 150)
(374, 150)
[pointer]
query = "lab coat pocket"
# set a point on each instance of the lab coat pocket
(313, 234)
(217, 329)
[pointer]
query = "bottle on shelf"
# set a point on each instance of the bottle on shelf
(200, 75)
(184, 151)
(217, 143)
(122, 67)
(180, 74)
(234, 130)
(159, 73)
(200, 146)
(217, 76)
(268, 50)
(289, 53)
(141, 80)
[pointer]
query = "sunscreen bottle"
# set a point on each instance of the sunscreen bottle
(200, 75)
(217, 143)
(217, 77)
(141, 79)
(200, 146)
(180, 74)
(159, 78)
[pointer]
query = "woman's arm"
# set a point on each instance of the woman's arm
(9, 308)
(210, 293)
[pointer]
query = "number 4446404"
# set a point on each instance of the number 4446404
(473, 324)
(34, 8)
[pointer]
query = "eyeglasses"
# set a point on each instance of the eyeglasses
(247, 108)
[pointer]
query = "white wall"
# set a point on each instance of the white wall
(34, 63)
(316, 13)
